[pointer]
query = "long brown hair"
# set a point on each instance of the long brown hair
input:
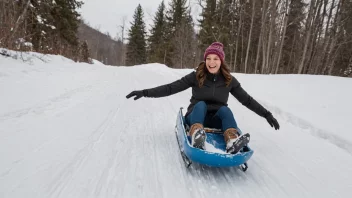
(202, 71)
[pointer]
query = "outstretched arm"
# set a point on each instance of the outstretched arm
(242, 96)
(168, 89)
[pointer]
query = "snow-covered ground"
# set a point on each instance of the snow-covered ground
(67, 130)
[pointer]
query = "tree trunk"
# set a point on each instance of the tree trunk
(335, 38)
(271, 30)
(242, 47)
(308, 30)
(327, 39)
(332, 38)
(316, 27)
(123, 61)
(258, 54)
(318, 52)
(231, 44)
(249, 37)
(264, 52)
(262, 34)
(260, 37)
(19, 19)
(283, 38)
(238, 36)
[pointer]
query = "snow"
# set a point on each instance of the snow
(29, 44)
(40, 19)
(211, 148)
(51, 26)
(67, 130)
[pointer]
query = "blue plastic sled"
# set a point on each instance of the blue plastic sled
(214, 159)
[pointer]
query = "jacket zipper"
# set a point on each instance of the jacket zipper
(214, 87)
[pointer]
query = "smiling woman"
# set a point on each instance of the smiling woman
(211, 85)
(214, 57)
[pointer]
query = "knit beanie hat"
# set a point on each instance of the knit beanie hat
(215, 48)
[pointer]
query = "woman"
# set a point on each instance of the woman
(211, 84)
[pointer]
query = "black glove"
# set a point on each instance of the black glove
(272, 121)
(138, 94)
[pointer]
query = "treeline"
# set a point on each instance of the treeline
(260, 36)
(45, 26)
(172, 40)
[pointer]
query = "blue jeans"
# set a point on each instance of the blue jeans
(222, 119)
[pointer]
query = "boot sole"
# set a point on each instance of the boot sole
(199, 142)
(239, 144)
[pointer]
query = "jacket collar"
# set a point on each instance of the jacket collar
(213, 77)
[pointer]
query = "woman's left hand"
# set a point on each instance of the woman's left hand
(272, 121)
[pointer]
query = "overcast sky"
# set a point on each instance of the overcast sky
(107, 15)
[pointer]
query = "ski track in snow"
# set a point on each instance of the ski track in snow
(315, 131)
(90, 141)
(43, 106)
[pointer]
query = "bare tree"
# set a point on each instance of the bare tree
(315, 31)
(238, 34)
(249, 37)
(334, 45)
(282, 36)
(328, 36)
(123, 50)
(307, 35)
(19, 20)
(265, 66)
(261, 36)
(319, 65)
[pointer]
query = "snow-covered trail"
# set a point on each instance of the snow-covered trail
(83, 138)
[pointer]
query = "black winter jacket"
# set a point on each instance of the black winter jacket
(213, 92)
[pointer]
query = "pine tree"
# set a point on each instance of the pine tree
(180, 37)
(54, 25)
(84, 52)
(229, 20)
(136, 47)
(218, 24)
(208, 23)
(158, 35)
(66, 21)
(177, 12)
(40, 25)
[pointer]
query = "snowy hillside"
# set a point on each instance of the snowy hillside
(67, 130)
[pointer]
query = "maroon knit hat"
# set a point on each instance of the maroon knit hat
(215, 48)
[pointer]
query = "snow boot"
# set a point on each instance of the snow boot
(198, 135)
(234, 141)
